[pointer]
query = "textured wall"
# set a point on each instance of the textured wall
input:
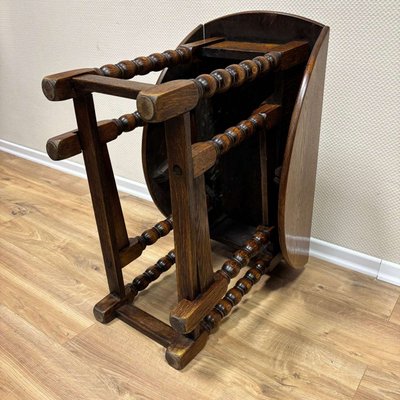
(357, 202)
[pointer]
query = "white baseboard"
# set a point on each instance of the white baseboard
(346, 258)
(381, 269)
(389, 272)
(123, 184)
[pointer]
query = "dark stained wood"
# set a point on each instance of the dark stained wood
(67, 144)
(183, 54)
(106, 204)
(105, 310)
(186, 315)
(130, 253)
(216, 186)
(113, 86)
(147, 238)
(183, 350)
(291, 54)
(203, 241)
(205, 155)
(63, 146)
(152, 273)
(265, 117)
(147, 324)
(196, 46)
(59, 87)
(168, 100)
(243, 286)
(281, 58)
(263, 27)
(237, 50)
(230, 181)
(297, 182)
(264, 182)
(190, 224)
(173, 98)
(251, 248)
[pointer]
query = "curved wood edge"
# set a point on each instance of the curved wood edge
(297, 185)
(265, 12)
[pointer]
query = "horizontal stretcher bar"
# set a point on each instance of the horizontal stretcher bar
(205, 154)
(63, 86)
(68, 144)
(112, 86)
(170, 99)
(67, 85)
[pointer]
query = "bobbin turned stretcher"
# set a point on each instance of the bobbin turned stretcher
(230, 147)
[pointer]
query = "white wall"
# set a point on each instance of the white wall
(358, 186)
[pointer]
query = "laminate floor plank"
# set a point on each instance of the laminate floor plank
(39, 175)
(51, 372)
(275, 364)
(379, 385)
(321, 333)
(395, 316)
(339, 324)
(55, 318)
(352, 288)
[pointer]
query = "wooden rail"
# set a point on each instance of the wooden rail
(68, 144)
(171, 99)
(66, 85)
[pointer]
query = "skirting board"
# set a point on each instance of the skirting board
(347, 258)
(73, 168)
(380, 269)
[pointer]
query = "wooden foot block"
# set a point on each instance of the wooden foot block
(105, 310)
(186, 316)
(184, 349)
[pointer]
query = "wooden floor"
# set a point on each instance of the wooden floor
(323, 333)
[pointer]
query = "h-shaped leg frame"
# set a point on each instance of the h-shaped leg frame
(203, 298)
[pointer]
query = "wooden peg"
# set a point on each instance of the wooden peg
(59, 87)
(68, 145)
(64, 146)
(168, 100)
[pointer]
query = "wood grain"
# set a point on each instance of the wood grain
(42, 363)
(395, 316)
(297, 183)
(58, 87)
(379, 385)
(237, 50)
(106, 85)
(168, 100)
(189, 210)
(327, 333)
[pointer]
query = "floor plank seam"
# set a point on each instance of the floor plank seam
(328, 333)
(397, 304)
(77, 335)
(359, 383)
